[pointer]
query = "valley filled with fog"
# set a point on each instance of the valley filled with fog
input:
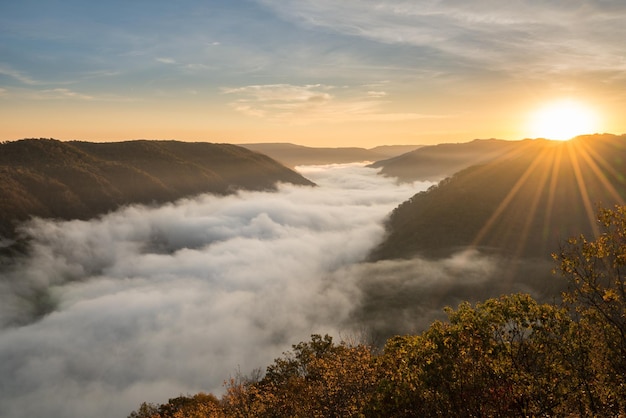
(147, 303)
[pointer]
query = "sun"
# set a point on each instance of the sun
(563, 120)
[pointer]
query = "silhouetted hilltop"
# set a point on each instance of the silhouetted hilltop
(54, 179)
(436, 162)
(524, 203)
(293, 155)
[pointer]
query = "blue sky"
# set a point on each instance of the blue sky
(316, 72)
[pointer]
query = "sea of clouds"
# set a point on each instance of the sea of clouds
(147, 303)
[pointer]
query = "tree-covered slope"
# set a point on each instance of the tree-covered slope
(523, 203)
(54, 179)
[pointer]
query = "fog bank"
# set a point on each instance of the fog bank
(146, 303)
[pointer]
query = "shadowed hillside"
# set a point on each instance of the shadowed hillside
(53, 179)
(439, 161)
(524, 203)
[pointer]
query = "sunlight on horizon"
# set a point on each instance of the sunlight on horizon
(563, 120)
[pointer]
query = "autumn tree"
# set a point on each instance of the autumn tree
(200, 405)
(316, 379)
(596, 274)
(499, 358)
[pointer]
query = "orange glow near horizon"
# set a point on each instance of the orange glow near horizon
(192, 121)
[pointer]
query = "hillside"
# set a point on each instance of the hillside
(292, 155)
(439, 161)
(53, 179)
(524, 203)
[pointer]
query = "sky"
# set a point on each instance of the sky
(312, 72)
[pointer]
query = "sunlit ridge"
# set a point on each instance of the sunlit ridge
(589, 171)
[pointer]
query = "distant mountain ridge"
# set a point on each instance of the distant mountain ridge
(53, 179)
(293, 155)
(523, 203)
(435, 162)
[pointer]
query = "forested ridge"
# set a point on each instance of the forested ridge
(435, 162)
(523, 203)
(507, 356)
(78, 180)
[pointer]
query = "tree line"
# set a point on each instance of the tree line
(507, 356)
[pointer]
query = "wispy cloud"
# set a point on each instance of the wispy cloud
(62, 93)
(283, 93)
(58, 94)
(295, 104)
(372, 93)
(17, 75)
(166, 60)
(279, 101)
(502, 35)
